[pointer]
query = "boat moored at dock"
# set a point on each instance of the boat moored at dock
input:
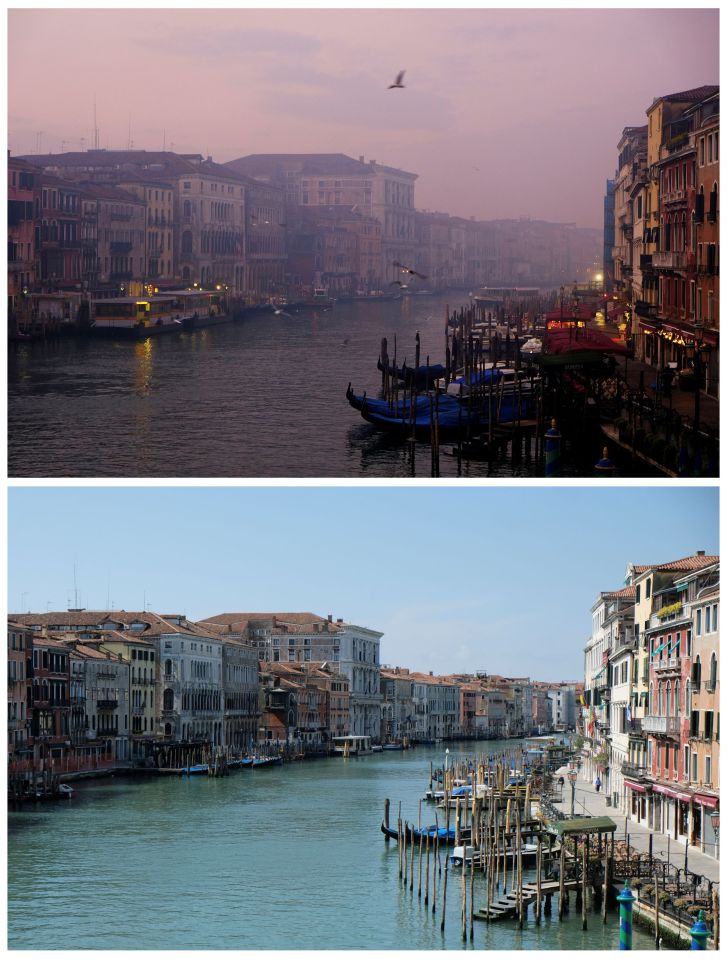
(130, 317)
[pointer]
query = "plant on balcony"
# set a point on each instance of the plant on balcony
(578, 742)
(601, 759)
(668, 610)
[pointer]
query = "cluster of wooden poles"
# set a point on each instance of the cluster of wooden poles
(499, 819)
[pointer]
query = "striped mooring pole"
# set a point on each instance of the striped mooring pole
(699, 932)
(604, 467)
(552, 450)
(626, 904)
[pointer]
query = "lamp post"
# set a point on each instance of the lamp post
(698, 337)
(572, 776)
(562, 294)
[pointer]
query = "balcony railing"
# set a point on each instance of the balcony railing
(661, 725)
(107, 704)
(668, 665)
(710, 686)
(633, 770)
(647, 310)
(674, 196)
(670, 260)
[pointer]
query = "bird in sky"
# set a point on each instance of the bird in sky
(408, 269)
(397, 84)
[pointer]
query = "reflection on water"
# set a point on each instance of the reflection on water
(286, 858)
(263, 397)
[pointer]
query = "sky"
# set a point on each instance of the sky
(505, 112)
(500, 579)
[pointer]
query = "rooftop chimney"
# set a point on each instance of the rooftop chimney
(330, 617)
(361, 159)
(700, 552)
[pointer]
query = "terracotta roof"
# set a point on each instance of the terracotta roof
(693, 95)
(687, 565)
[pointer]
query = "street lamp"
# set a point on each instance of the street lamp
(572, 776)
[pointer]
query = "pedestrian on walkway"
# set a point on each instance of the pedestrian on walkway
(598, 783)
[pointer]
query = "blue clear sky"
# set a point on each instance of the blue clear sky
(497, 578)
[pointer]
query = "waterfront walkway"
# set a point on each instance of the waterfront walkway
(594, 804)
(680, 401)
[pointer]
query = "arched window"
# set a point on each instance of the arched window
(688, 699)
(168, 699)
(187, 211)
(167, 667)
(668, 696)
(187, 241)
(167, 729)
(713, 672)
(712, 214)
(661, 700)
(676, 698)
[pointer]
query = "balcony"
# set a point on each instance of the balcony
(674, 197)
(107, 704)
(647, 310)
(633, 771)
(666, 666)
(669, 260)
(710, 686)
(661, 725)
(121, 216)
(118, 248)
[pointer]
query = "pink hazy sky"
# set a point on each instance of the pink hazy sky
(505, 113)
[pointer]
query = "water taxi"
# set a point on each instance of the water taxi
(133, 317)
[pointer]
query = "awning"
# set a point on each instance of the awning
(671, 793)
(649, 327)
(634, 786)
(711, 801)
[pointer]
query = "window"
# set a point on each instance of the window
(694, 767)
(699, 622)
(708, 770)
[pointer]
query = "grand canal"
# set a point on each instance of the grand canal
(264, 397)
(285, 858)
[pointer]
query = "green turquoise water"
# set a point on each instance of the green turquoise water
(284, 858)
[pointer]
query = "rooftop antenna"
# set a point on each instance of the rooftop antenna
(130, 142)
(75, 589)
(164, 141)
(95, 125)
(108, 589)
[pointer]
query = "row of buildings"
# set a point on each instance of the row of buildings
(650, 711)
(661, 247)
(262, 226)
(113, 687)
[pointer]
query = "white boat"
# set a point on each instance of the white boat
(65, 790)
(529, 851)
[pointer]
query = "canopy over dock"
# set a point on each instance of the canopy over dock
(583, 826)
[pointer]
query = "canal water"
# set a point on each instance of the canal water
(264, 397)
(283, 858)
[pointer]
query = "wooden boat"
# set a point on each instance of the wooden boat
(394, 746)
(263, 762)
(422, 377)
(200, 769)
(377, 748)
(446, 836)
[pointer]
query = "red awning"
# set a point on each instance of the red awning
(584, 312)
(711, 801)
(646, 326)
(566, 341)
(671, 793)
(634, 786)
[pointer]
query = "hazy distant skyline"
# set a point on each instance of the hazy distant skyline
(500, 579)
(505, 113)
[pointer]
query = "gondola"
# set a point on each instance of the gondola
(421, 377)
(446, 836)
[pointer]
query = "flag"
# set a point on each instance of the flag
(583, 702)
(628, 713)
(663, 646)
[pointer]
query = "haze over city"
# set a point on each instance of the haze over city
(503, 113)
(501, 579)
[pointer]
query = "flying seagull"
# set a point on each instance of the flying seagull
(397, 84)
(406, 269)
